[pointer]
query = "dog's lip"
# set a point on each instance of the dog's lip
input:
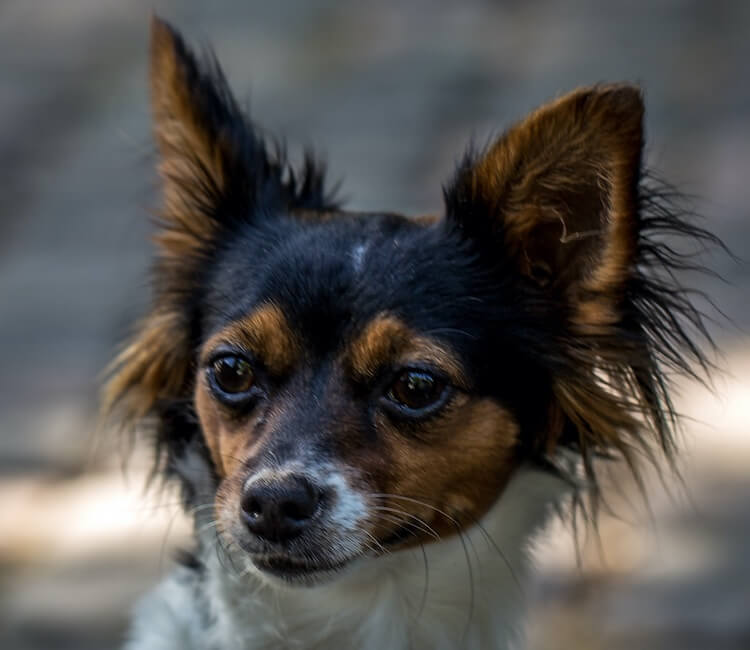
(290, 566)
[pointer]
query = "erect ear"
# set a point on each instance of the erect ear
(559, 193)
(214, 164)
(217, 171)
(202, 138)
(206, 154)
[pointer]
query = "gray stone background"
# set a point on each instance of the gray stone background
(391, 92)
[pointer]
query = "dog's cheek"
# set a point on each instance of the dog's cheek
(230, 450)
(227, 443)
(226, 508)
(483, 455)
(211, 427)
(460, 468)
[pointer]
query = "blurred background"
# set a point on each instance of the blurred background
(390, 92)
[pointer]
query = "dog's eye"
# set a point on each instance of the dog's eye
(416, 390)
(232, 374)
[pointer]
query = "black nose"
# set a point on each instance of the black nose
(279, 510)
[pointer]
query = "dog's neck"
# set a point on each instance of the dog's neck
(465, 591)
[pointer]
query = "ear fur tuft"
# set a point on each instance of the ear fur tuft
(215, 165)
(560, 202)
(217, 171)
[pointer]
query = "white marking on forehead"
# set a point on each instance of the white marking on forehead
(358, 257)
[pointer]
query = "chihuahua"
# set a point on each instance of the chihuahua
(371, 416)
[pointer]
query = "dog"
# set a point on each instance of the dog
(372, 416)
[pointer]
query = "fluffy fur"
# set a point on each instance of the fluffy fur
(541, 309)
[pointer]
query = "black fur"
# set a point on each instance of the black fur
(511, 334)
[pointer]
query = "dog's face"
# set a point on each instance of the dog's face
(347, 392)
(360, 383)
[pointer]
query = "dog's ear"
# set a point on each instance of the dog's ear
(559, 193)
(558, 208)
(202, 138)
(554, 202)
(198, 129)
(216, 167)
(217, 173)
(206, 152)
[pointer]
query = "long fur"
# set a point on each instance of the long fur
(612, 382)
(602, 339)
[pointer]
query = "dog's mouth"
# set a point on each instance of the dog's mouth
(295, 570)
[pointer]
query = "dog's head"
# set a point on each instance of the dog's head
(364, 382)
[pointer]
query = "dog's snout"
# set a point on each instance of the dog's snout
(279, 510)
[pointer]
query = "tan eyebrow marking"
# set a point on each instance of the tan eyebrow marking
(387, 340)
(266, 333)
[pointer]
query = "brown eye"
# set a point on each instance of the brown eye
(416, 390)
(232, 374)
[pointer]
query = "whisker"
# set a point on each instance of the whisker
(397, 521)
(375, 540)
(205, 506)
(451, 330)
(491, 541)
(163, 548)
(425, 589)
(462, 538)
(471, 587)
(411, 520)
(211, 524)
(453, 520)
(222, 551)
(476, 522)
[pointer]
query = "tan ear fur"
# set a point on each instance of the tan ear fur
(216, 170)
(178, 119)
(195, 152)
(153, 367)
(559, 193)
(562, 184)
